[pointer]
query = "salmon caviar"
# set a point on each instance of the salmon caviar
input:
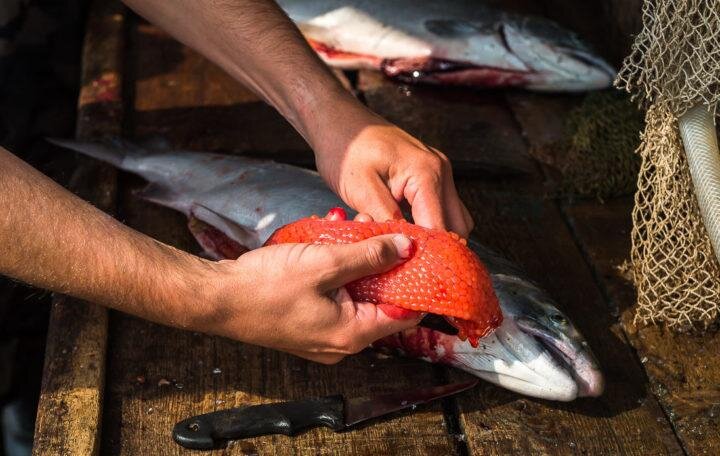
(442, 276)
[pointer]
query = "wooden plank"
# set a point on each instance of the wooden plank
(475, 135)
(148, 363)
(68, 420)
(514, 219)
(682, 368)
(234, 118)
(626, 419)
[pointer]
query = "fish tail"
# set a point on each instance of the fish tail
(115, 152)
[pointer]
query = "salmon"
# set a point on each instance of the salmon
(235, 203)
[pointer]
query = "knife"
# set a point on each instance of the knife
(213, 430)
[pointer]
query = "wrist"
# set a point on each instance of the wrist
(194, 294)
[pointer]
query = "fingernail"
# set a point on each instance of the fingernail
(403, 244)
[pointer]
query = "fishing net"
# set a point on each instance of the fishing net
(674, 65)
(595, 156)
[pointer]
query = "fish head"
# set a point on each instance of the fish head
(557, 60)
(532, 313)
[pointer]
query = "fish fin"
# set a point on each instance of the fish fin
(113, 151)
(244, 236)
(163, 196)
(448, 28)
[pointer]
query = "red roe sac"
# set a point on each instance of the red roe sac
(443, 276)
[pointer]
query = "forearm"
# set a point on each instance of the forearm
(54, 240)
(255, 42)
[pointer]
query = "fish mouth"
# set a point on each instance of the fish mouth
(558, 64)
(578, 360)
(516, 361)
(430, 70)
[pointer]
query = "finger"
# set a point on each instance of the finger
(362, 217)
(468, 218)
(457, 214)
(372, 322)
(426, 205)
(368, 257)
(378, 202)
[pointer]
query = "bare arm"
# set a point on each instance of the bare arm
(256, 43)
(368, 162)
(54, 240)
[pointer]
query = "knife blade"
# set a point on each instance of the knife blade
(213, 430)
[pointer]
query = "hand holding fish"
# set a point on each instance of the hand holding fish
(298, 302)
(371, 164)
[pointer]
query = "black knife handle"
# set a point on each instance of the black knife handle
(213, 430)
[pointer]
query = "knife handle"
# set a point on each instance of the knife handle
(213, 430)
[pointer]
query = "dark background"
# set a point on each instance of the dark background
(39, 85)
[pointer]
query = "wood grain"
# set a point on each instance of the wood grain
(68, 419)
(682, 368)
(513, 217)
(162, 375)
(181, 95)
(476, 135)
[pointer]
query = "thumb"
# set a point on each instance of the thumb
(368, 257)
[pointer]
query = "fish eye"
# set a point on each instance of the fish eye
(558, 319)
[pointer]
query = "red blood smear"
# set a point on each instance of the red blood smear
(331, 53)
(443, 276)
(420, 342)
(215, 241)
(439, 71)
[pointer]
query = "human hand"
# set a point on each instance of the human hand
(373, 165)
(291, 297)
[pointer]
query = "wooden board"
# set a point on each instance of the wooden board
(513, 218)
(176, 87)
(681, 378)
(68, 419)
(477, 136)
(158, 376)
(682, 368)
(140, 409)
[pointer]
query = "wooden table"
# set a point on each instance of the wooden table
(114, 384)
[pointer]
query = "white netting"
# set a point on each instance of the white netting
(674, 65)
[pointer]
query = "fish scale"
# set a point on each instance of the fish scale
(443, 276)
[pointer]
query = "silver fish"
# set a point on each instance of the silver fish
(537, 350)
(455, 42)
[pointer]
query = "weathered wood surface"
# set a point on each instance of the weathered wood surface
(162, 375)
(477, 138)
(158, 376)
(683, 368)
(68, 420)
(513, 217)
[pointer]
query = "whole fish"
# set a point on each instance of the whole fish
(235, 203)
(454, 42)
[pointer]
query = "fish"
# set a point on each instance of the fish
(450, 42)
(236, 203)
(443, 276)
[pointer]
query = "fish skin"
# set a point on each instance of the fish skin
(453, 42)
(234, 188)
(442, 276)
